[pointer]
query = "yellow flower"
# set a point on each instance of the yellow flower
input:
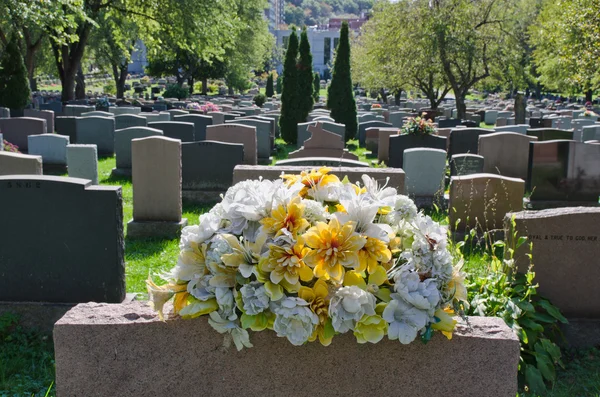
(370, 328)
(310, 179)
(286, 263)
(456, 285)
(159, 295)
(289, 217)
(395, 245)
(373, 284)
(372, 253)
(333, 248)
(318, 299)
(446, 323)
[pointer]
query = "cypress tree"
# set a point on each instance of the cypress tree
(305, 78)
(14, 84)
(269, 89)
(288, 121)
(278, 87)
(316, 86)
(340, 97)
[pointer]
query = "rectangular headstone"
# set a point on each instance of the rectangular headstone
(75, 252)
(466, 164)
(399, 143)
(506, 153)
(123, 140)
(425, 169)
(52, 148)
(82, 162)
(362, 129)
(200, 123)
(17, 129)
(99, 131)
(47, 115)
(176, 129)
(465, 140)
(19, 164)
(549, 134)
(129, 120)
(67, 126)
(263, 137)
(236, 133)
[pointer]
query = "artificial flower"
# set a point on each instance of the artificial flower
(347, 307)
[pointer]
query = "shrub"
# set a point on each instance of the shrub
(145, 80)
(110, 88)
(269, 92)
(260, 100)
(14, 85)
(175, 91)
(316, 86)
(305, 78)
(290, 106)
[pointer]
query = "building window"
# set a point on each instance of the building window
(286, 41)
(327, 51)
(336, 41)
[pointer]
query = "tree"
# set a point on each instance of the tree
(288, 121)
(14, 86)
(278, 86)
(340, 96)
(316, 86)
(305, 77)
(269, 89)
(566, 39)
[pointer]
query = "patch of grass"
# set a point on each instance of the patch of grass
(26, 360)
(484, 125)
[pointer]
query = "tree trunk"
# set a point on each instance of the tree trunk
(191, 85)
(80, 86)
(588, 95)
(30, 65)
(397, 96)
(461, 107)
(204, 86)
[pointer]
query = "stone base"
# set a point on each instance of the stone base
(581, 333)
(125, 350)
(41, 316)
(164, 230)
(120, 172)
(542, 205)
(202, 196)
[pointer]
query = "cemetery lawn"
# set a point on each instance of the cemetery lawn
(283, 149)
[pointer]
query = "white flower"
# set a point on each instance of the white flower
(348, 305)
(226, 303)
(361, 210)
(247, 201)
(209, 224)
(239, 335)
(423, 295)
(404, 320)
(404, 210)
(217, 248)
(329, 192)
(383, 196)
(200, 288)
(314, 211)
(254, 298)
(294, 320)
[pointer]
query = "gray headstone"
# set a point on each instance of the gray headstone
(123, 140)
(185, 132)
(156, 117)
(399, 143)
(4, 113)
(20, 164)
(208, 165)
(466, 164)
(17, 129)
(424, 170)
(321, 161)
(75, 252)
(55, 106)
(47, 115)
(99, 131)
(466, 140)
(200, 123)
(362, 129)
(82, 162)
(263, 136)
(97, 113)
(67, 126)
(129, 120)
(52, 148)
(77, 110)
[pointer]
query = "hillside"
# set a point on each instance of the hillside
(316, 12)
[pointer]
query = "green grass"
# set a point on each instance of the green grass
(484, 125)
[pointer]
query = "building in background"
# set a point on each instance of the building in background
(274, 14)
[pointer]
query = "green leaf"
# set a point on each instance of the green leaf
(530, 324)
(553, 311)
(521, 241)
(328, 331)
(533, 379)
(551, 349)
(247, 321)
(526, 306)
(545, 366)
(543, 317)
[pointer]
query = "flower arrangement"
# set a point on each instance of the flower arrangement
(375, 106)
(102, 103)
(9, 147)
(205, 108)
(309, 257)
(418, 126)
(193, 106)
(589, 113)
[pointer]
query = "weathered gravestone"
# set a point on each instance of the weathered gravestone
(399, 143)
(185, 132)
(549, 134)
(481, 201)
(565, 242)
(42, 114)
(263, 137)
(424, 170)
(362, 129)
(67, 126)
(17, 129)
(207, 169)
(123, 121)
(236, 133)
(322, 144)
(123, 140)
(156, 117)
(563, 173)
(20, 164)
(506, 153)
(75, 252)
(156, 177)
(52, 148)
(465, 140)
(99, 131)
(200, 123)
(82, 162)
(466, 164)
(303, 133)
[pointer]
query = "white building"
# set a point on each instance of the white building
(274, 14)
(322, 46)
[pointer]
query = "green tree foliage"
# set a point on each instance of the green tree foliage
(316, 86)
(566, 38)
(269, 91)
(290, 102)
(305, 77)
(278, 86)
(14, 86)
(340, 95)
(312, 12)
